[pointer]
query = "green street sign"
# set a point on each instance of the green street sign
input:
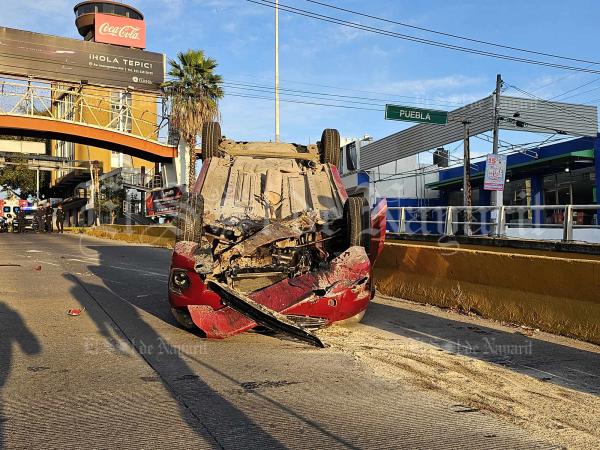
(410, 114)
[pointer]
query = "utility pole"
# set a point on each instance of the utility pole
(276, 70)
(467, 199)
(37, 184)
(497, 196)
(96, 192)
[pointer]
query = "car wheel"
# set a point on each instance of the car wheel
(183, 318)
(357, 219)
(211, 136)
(190, 218)
(330, 147)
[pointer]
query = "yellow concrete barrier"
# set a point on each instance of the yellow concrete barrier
(157, 235)
(555, 292)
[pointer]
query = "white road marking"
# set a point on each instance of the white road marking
(585, 373)
(431, 336)
(47, 262)
(547, 373)
(145, 272)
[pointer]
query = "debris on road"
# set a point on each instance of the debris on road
(75, 312)
(550, 411)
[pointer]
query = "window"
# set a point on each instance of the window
(65, 109)
(120, 106)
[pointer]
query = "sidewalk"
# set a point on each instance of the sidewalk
(548, 385)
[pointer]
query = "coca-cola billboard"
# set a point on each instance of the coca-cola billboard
(118, 30)
(55, 58)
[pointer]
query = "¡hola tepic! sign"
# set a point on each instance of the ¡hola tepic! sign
(117, 30)
(495, 173)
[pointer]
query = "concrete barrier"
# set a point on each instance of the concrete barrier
(555, 292)
(157, 235)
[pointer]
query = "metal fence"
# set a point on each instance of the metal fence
(540, 222)
(146, 181)
(85, 105)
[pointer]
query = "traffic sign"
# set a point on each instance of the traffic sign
(410, 114)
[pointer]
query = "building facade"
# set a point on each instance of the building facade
(129, 111)
(558, 174)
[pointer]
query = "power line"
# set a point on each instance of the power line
(269, 89)
(320, 96)
(415, 172)
(243, 90)
(579, 93)
(552, 104)
(388, 33)
(352, 90)
(456, 36)
(307, 103)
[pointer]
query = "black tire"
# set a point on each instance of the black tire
(190, 218)
(183, 318)
(330, 147)
(211, 137)
(357, 217)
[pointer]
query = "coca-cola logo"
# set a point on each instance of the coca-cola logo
(125, 31)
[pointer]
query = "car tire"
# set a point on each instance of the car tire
(330, 147)
(211, 137)
(357, 219)
(183, 318)
(190, 218)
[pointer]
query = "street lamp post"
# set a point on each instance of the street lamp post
(276, 70)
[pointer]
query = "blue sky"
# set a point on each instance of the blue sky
(322, 57)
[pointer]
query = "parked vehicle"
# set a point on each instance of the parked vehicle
(268, 236)
(31, 223)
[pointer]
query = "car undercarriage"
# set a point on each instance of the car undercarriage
(268, 236)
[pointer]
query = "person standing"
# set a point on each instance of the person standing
(39, 219)
(60, 219)
(48, 213)
(20, 221)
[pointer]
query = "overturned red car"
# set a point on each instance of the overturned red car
(268, 237)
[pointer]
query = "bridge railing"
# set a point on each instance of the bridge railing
(147, 180)
(538, 222)
(95, 106)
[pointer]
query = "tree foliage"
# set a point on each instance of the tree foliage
(17, 177)
(193, 94)
(111, 198)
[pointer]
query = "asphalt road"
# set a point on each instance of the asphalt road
(123, 374)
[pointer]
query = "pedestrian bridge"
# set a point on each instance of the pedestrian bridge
(85, 115)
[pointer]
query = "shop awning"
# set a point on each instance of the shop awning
(548, 165)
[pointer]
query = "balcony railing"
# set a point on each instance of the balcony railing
(566, 223)
(85, 105)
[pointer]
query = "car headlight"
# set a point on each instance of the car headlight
(180, 280)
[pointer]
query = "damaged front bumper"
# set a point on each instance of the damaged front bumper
(321, 297)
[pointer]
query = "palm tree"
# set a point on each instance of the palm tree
(193, 92)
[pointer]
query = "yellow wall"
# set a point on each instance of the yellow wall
(555, 292)
(96, 111)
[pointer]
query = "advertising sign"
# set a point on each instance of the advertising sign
(54, 58)
(495, 173)
(118, 30)
(163, 202)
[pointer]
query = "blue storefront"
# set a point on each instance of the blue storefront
(557, 174)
